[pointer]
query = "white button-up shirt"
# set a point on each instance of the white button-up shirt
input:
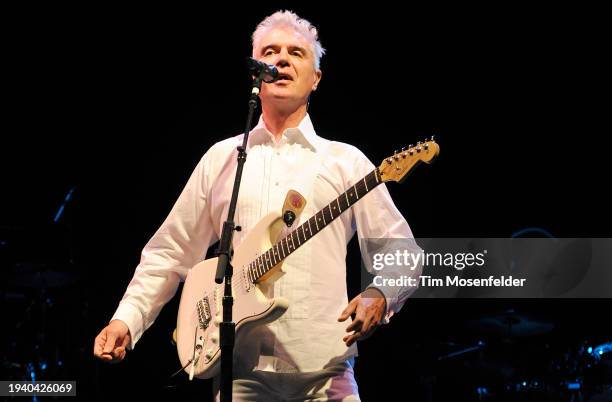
(308, 336)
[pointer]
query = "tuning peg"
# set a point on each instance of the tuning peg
(432, 138)
(403, 148)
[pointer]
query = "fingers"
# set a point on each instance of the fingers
(364, 324)
(99, 343)
(350, 309)
(118, 354)
(351, 338)
(110, 346)
(357, 323)
(111, 338)
(126, 341)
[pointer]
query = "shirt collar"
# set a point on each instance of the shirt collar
(303, 134)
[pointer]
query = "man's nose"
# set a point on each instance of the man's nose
(283, 58)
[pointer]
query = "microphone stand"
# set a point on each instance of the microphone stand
(227, 327)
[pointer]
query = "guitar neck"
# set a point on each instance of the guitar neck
(281, 250)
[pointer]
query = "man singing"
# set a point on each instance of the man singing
(307, 354)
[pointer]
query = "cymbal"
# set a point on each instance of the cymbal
(511, 324)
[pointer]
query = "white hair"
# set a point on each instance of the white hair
(292, 20)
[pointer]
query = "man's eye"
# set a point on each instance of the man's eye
(268, 52)
(297, 53)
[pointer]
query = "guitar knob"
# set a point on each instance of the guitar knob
(217, 320)
(214, 338)
(208, 354)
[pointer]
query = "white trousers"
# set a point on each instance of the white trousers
(334, 383)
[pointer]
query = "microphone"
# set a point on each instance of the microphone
(270, 73)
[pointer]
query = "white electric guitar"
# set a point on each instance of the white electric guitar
(259, 259)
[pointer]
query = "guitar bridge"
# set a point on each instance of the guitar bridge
(204, 315)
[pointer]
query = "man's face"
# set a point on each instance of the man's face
(292, 55)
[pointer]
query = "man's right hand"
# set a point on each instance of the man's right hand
(111, 342)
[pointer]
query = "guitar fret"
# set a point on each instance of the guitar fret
(282, 249)
(341, 201)
(330, 213)
(351, 194)
(316, 226)
(268, 259)
(298, 238)
(292, 243)
(309, 227)
(303, 234)
(365, 184)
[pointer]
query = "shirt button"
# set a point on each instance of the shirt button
(276, 184)
(278, 153)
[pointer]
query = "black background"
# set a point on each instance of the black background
(121, 104)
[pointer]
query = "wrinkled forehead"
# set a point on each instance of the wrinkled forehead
(282, 36)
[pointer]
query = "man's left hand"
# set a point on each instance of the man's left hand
(369, 308)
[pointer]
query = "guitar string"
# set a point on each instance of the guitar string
(241, 280)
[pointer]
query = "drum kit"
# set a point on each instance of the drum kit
(516, 359)
(38, 275)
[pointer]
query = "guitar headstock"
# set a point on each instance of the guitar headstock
(397, 166)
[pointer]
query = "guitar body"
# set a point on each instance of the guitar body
(200, 309)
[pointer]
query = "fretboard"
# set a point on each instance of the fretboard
(281, 250)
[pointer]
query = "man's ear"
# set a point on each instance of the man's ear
(318, 75)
